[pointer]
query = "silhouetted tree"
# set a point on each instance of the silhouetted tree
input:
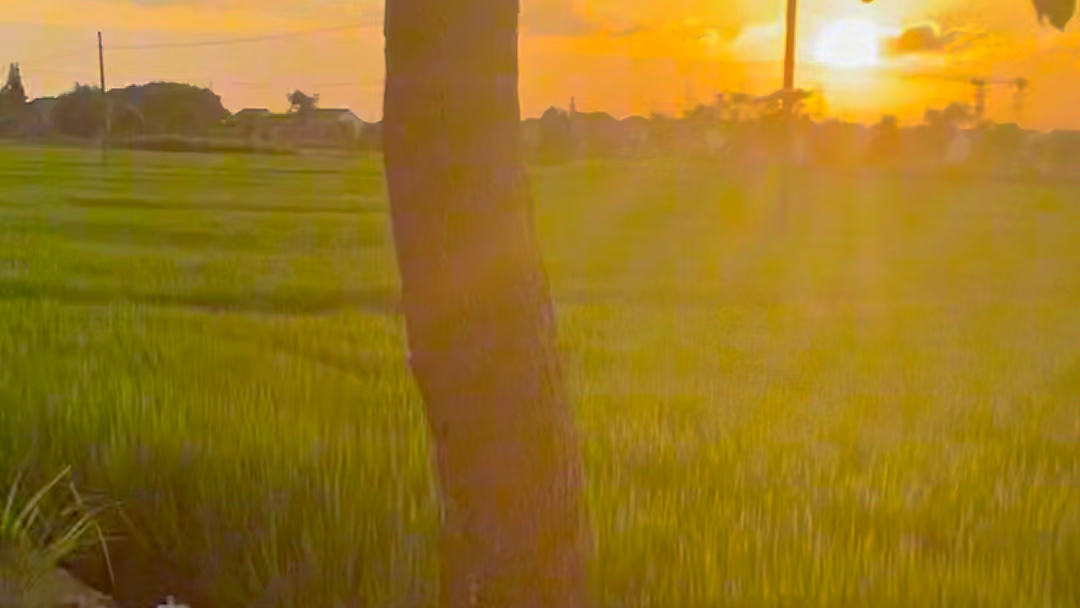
(556, 137)
(1001, 148)
(933, 117)
(722, 106)
(773, 104)
(834, 144)
(126, 121)
(941, 125)
(477, 308)
(13, 95)
(299, 102)
(12, 102)
(663, 132)
(775, 127)
(933, 135)
(957, 114)
(599, 134)
(702, 115)
(885, 142)
(740, 106)
(170, 107)
(80, 112)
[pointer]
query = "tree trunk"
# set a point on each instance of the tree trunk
(478, 310)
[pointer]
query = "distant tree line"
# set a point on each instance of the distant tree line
(736, 125)
(560, 135)
(152, 108)
(739, 126)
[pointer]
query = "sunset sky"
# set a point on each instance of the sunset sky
(621, 56)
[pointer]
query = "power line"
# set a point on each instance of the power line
(228, 41)
(284, 82)
(66, 73)
(353, 83)
(51, 58)
(361, 83)
(221, 42)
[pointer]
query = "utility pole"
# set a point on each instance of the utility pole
(789, 54)
(105, 100)
(788, 114)
(789, 99)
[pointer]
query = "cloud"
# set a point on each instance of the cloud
(924, 38)
(758, 41)
(565, 18)
(556, 18)
(259, 12)
(551, 19)
(930, 39)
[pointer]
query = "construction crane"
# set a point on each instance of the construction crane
(1018, 85)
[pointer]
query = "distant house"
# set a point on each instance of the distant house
(636, 129)
(530, 134)
(598, 134)
(1060, 151)
(247, 121)
(337, 125)
(371, 136)
(327, 127)
(248, 114)
(690, 138)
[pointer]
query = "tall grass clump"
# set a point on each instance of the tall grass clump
(39, 533)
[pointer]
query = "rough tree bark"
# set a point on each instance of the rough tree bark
(478, 310)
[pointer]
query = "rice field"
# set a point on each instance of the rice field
(875, 402)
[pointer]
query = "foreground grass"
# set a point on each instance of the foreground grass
(38, 533)
(876, 409)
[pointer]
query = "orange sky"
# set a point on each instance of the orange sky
(622, 56)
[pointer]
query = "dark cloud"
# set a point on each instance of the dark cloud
(920, 39)
(929, 39)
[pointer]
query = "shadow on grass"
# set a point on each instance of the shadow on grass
(120, 202)
(191, 236)
(376, 300)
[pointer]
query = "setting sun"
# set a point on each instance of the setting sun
(848, 43)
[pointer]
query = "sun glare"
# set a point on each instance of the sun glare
(848, 43)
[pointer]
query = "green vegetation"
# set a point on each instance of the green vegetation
(180, 143)
(874, 407)
(37, 534)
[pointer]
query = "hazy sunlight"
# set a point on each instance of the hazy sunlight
(848, 43)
